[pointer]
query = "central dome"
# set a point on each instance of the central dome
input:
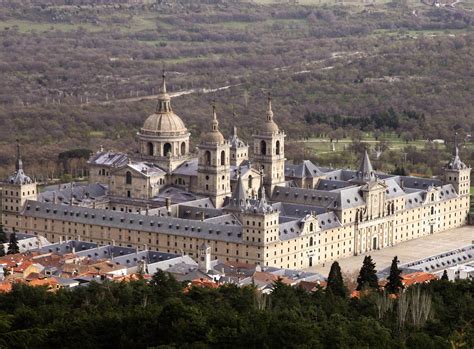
(164, 123)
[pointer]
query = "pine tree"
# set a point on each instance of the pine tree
(13, 247)
(335, 282)
(367, 276)
(394, 279)
(3, 236)
(445, 275)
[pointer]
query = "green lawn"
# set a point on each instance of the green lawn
(323, 145)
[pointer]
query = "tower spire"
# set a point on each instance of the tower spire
(164, 100)
(19, 163)
(269, 108)
(456, 149)
(163, 84)
(215, 123)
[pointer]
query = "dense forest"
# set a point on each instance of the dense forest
(74, 76)
(165, 314)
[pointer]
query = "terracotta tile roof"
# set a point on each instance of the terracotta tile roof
(50, 282)
(5, 287)
(22, 267)
(268, 278)
(309, 286)
(204, 283)
(417, 278)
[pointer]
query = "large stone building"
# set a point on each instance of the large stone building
(267, 211)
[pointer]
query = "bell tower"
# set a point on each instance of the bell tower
(457, 173)
(214, 164)
(269, 151)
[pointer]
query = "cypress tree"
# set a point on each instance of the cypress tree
(394, 279)
(2, 249)
(335, 282)
(13, 247)
(3, 236)
(367, 276)
(445, 275)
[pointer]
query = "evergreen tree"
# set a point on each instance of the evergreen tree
(2, 250)
(13, 247)
(367, 276)
(445, 275)
(335, 282)
(3, 236)
(394, 279)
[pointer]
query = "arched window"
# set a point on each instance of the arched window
(263, 148)
(222, 158)
(277, 146)
(250, 181)
(311, 227)
(432, 209)
(432, 197)
(150, 149)
(311, 241)
(128, 177)
(207, 158)
(183, 148)
(166, 149)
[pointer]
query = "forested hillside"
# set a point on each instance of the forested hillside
(73, 76)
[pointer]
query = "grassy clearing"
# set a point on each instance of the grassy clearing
(325, 146)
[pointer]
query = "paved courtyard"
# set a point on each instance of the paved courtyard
(407, 251)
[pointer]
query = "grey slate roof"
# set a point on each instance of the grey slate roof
(152, 224)
(344, 198)
(325, 184)
(238, 199)
(108, 159)
(455, 163)
(303, 170)
(188, 168)
(80, 192)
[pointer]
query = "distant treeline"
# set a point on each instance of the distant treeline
(389, 119)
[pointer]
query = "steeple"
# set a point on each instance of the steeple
(18, 163)
(269, 126)
(19, 177)
(215, 123)
(214, 136)
(366, 171)
(164, 99)
(269, 109)
(239, 197)
(455, 163)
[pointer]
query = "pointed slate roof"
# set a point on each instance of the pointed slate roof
(239, 197)
(19, 177)
(366, 171)
(455, 163)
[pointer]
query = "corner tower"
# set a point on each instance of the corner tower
(164, 139)
(16, 190)
(269, 151)
(213, 164)
(457, 173)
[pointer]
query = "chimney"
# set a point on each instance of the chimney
(168, 204)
